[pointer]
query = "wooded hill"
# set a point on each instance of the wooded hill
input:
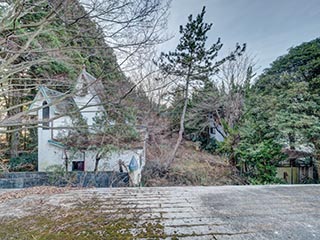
(49, 42)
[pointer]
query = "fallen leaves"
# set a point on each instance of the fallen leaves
(42, 190)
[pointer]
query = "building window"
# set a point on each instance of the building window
(78, 166)
(45, 115)
(212, 130)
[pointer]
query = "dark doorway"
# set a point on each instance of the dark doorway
(78, 166)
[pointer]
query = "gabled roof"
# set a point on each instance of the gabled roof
(49, 94)
(92, 84)
(59, 101)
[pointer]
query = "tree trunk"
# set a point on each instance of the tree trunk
(66, 160)
(98, 157)
(181, 130)
(14, 146)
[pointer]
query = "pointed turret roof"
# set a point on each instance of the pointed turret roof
(88, 83)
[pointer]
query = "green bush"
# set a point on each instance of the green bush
(206, 143)
(211, 146)
(24, 162)
(258, 161)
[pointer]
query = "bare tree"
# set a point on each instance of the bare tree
(93, 31)
(19, 53)
(222, 97)
(234, 78)
(130, 27)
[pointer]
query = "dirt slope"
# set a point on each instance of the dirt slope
(191, 166)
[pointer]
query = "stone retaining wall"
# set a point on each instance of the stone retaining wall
(80, 179)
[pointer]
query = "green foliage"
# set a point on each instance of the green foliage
(210, 145)
(258, 161)
(50, 39)
(302, 63)
(192, 60)
(204, 101)
(176, 109)
(40, 11)
(122, 130)
(54, 68)
(227, 147)
(293, 83)
(254, 147)
(24, 162)
(194, 63)
(282, 110)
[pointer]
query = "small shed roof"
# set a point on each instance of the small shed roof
(19, 119)
(295, 154)
(296, 157)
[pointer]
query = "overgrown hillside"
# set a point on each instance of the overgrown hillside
(192, 166)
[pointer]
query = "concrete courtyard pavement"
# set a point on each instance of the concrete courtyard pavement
(223, 213)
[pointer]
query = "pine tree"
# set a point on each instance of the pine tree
(192, 62)
(282, 110)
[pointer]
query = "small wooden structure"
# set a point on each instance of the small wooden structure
(297, 168)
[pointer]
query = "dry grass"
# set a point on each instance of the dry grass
(191, 166)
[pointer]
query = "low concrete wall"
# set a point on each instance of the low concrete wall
(80, 179)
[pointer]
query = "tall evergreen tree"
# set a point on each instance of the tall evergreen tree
(192, 62)
(282, 110)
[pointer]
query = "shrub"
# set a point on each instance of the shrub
(24, 162)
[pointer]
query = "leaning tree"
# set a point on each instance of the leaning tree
(193, 63)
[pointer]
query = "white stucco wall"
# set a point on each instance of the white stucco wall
(215, 129)
(89, 107)
(216, 134)
(111, 161)
(64, 122)
(48, 155)
(54, 155)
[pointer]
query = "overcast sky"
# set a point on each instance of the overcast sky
(269, 27)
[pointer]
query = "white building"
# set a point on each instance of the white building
(216, 130)
(55, 111)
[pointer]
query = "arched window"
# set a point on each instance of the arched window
(45, 115)
(84, 89)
